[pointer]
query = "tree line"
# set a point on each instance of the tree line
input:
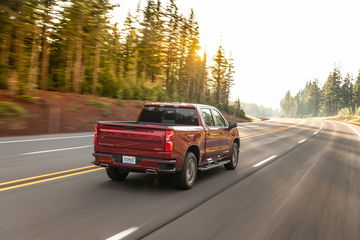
(259, 111)
(339, 94)
(72, 46)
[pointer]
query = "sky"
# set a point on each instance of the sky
(277, 45)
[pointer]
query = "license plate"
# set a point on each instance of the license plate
(129, 160)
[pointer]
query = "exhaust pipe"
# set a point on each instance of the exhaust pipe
(150, 171)
(104, 165)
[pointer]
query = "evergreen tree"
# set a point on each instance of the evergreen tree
(356, 92)
(70, 45)
(288, 105)
(218, 71)
(151, 47)
(228, 81)
(172, 38)
(331, 93)
(346, 94)
(193, 63)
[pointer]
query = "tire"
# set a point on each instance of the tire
(187, 177)
(234, 160)
(116, 174)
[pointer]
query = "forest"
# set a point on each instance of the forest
(340, 95)
(259, 111)
(73, 46)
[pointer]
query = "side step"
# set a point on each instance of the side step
(213, 165)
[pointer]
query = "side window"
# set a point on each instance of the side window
(220, 121)
(187, 116)
(207, 117)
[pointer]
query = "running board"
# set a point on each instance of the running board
(213, 165)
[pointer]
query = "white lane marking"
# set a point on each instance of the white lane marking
(123, 234)
(264, 161)
(55, 150)
(302, 141)
(45, 139)
(352, 128)
(251, 126)
(316, 132)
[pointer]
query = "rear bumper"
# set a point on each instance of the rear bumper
(143, 164)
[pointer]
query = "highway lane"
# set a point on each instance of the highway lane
(89, 206)
(67, 151)
(311, 193)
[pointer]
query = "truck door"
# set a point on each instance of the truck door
(213, 137)
(223, 135)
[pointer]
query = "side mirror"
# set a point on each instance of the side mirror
(232, 125)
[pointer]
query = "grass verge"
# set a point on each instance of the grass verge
(10, 109)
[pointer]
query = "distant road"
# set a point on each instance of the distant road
(297, 179)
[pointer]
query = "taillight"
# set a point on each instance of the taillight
(169, 144)
(95, 139)
(96, 128)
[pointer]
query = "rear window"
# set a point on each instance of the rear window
(169, 115)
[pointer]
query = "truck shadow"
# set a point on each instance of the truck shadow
(158, 183)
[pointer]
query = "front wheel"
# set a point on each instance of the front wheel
(186, 178)
(234, 158)
(116, 174)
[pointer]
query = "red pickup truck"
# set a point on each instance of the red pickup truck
(168, 138)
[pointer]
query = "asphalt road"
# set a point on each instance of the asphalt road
(297, 179)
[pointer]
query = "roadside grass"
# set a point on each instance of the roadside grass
(103, 106)
(253, 119)
(352, 119)
(12, 110)
(120, 102)
(27, 98)
(72, 108)
(139, 103)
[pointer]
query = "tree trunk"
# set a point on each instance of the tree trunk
(45, 54)
(17, 76)
(96, 68)
(5, 47)
(82, 71)
(69, 66)
(4, 57)
(34, 60)
(78, 60)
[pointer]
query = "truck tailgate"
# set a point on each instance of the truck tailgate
(123, 136)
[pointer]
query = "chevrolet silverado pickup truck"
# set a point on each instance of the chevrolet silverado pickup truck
(167, 138)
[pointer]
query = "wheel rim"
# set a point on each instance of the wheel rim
(235, 157)
(190, 171)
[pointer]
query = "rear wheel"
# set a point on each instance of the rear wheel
(186, 178)
(234, 158)
(116, 174)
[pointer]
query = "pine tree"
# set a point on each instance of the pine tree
(228, 81)
(151, 47)
(315, 98)
(171, 48)
(218, 71)
(69, 45)
(356, 92)
(331, 93)
(288, 105)
(192, 65)
(346, 94)
(130, 50)
(46, 27)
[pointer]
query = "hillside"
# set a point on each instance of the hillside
(43, 112)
